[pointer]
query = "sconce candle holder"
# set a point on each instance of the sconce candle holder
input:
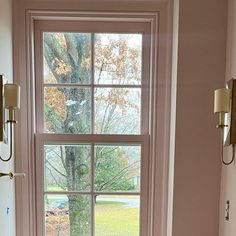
(225, 106)
(10, 100)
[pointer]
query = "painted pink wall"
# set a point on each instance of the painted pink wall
(228, 179)
(7, 186)
(201, 68)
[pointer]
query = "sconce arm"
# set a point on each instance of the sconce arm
(222, 152)
(11, 131)
(232, 159)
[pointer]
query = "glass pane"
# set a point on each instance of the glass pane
(117, 110)
(67, 58)
(67, 110)
(117, 215)
(67, 167)
(67, 215)
(117, 168)
(118, 58)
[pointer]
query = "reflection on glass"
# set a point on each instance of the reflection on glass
(117, 215)
(117, 110)
(67, 110)
(67, 215)
(67, 58)
(118, 59)
(117, 168)
(67, 167)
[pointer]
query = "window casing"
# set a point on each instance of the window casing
(92, 138)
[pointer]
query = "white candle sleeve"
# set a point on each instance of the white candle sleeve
(222, 100)
(12, 96)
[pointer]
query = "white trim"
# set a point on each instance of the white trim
(95, 85)
(159, 104)
(92, 189)
(94, 192)
(87, 138)
(173, 116)
(120, 26)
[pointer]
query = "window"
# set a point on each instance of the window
(92, 137)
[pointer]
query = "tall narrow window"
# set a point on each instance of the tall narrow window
(92, 128)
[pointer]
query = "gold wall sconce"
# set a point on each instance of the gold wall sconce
(9, 100)
(225, 106)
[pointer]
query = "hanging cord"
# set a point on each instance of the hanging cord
(222, 152)
(9, 158)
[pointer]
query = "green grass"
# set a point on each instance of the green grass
(116, 220)
(118, 196)
(53, 188)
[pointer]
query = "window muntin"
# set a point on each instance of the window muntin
(116, 168)
(105, 72)
(93, 172)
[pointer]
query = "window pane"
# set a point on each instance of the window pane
(67, 167)
(67, 215)
(117, 168)
(118, 58)
(117, 215)
(67, 110)
(117, 110)
(67, 58)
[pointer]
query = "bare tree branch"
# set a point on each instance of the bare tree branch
(47, 162)
(118, 175)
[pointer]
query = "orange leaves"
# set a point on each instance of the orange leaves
(117, 97)
(61, 67)
(55, 99)
(57, 225)
(118, 58)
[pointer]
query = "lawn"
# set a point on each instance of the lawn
(116, 219)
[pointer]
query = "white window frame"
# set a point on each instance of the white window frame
(42, 138)
(159, 119)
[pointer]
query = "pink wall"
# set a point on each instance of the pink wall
(228, 180)
(7, 186)
(201, 69)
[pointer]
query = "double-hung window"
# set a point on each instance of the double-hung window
(92, 127)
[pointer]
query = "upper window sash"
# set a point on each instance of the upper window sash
(94, 89)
